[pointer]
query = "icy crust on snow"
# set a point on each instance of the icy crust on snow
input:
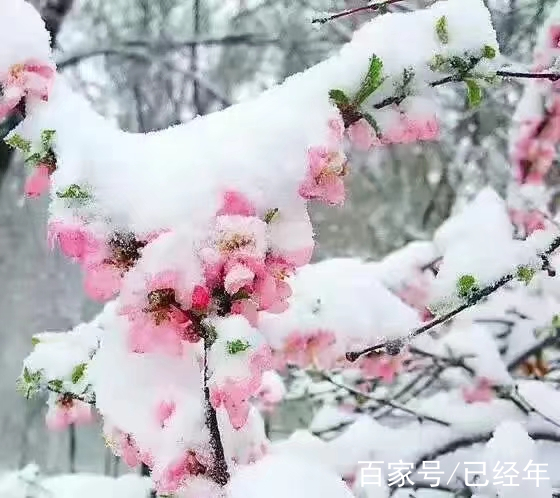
(154, 181)
(341, 297)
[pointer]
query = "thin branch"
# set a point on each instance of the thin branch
(525, 355)
(144, 45)
(517, 74)
(372, 7)
(219, 471)
(475, 298)
(383, 402)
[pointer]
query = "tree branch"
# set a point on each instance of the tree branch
(384, 402)
(219, 471)
(372, 7)
(474, 299)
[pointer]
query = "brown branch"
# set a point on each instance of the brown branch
(476, 297)
(219, 471)
(383, 402)
(372, 7)
(516, 74)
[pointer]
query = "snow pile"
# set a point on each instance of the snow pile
(336, 305)
(28, 483)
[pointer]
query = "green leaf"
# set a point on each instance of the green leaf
(372, 81)
(488, 52)
(237, 346)
(19, 143)
(78, 372)
(474, 93)
(34, 158)
(556, 321)
(74, 191)
(402, 88)
(466, 285)
(525, 274)
(437, 62)
(339, 98)
(27, 376)
(441, 30)
(47, 138)
(240, 295)
(35, 341)
(56, 385)
(373, 123)
(270, 215)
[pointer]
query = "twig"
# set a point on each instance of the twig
(521, 74)
(219, 471)
(475, 298)
(372, 7)
(386, 402)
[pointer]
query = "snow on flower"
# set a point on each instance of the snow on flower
(39, 181)
(327, 168)
(237, 362)
(481, 392)
(64, 410)
(32, 80)
(271, 392)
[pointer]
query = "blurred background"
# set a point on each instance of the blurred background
(149, 64)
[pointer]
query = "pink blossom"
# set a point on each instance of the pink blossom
(362, 135)
(235, 203)
(66, 411)
(158, 317)
(238, 276)
(323, 181)
(296, 258)
(74, 241)
(39, 181)
(381, 366)
(409, 130)
(173, 476)
(304, 349)
(102, 281)
(201, 298)
(165, 411)
(533, 155)
(128, 450)
(481, 392)
(554, 36)
(336, 131)
(32, 79)
(271, 392)
(528, 221)
(248, 309)
(234, 397)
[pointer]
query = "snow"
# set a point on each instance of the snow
(463, 242)
(28, 483)
(278, 476)
(341, 296)
(511, 443)
(171, 161)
